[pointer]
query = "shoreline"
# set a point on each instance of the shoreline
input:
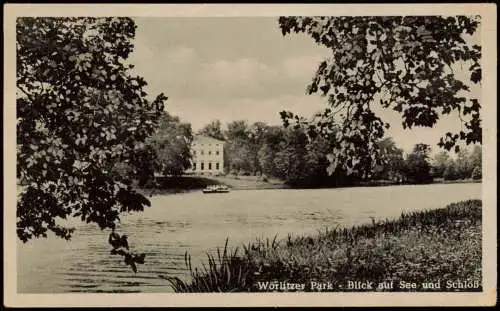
(189, 184)
(252, 184)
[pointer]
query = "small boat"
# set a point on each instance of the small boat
(216, 189)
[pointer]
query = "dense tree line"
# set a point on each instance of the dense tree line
(299, 154)
(466, 165)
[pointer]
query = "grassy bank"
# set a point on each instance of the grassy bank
(436, 247)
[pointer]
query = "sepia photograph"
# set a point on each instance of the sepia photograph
(167, 149)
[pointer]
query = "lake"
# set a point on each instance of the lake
(198, 223)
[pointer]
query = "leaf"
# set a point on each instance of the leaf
(476, 76)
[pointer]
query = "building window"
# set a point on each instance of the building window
(201, 152)
(217, 152)
(194, 166)
(209, 152)
(217, 166)
(210, 166)
(202, 166)
(194, 152)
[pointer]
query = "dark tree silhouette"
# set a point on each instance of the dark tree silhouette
(80, 111)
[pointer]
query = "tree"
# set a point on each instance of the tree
(477, 173)
(237, 147)
(451, 172)
(404, 63)
(271, 140)
(239, 154)
(463, 165)
(289, 160)
(265, 157)
(80, 111)
(417, 165)
(476, 162)
(256, 134)
(316, 162)
(172, 146)
(392, 166)
(237, 130)
(440, 162)
(213, 129)
(475, 159)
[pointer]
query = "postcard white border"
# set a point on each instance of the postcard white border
(489, 102)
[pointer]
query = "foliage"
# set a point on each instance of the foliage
(80, 111)
(213, 129)
(475, 161)
(243, 146)
(404, 63)
(475, 158)
(256, 135)
(289, 159)
(121, 247)
(238, 156)
(424, 246)
(271, 141)
(439, 164)
(451, 172)
(393, 166)
(172, 146)
(417, 164)
(477, 173)
(464, 169)
(460, 168)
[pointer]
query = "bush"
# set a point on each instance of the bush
(477, 173)
(234, 172)
(450, 173)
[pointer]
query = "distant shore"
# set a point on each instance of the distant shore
(184, 184)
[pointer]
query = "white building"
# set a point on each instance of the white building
(208, 156)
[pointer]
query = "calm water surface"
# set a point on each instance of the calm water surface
(198, 223)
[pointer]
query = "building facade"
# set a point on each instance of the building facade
(208, 156)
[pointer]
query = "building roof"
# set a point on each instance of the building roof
(206, 140)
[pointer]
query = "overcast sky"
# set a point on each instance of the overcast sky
(241, 68)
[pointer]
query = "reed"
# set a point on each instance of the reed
(225, 272)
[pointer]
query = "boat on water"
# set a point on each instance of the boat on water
(216, 189)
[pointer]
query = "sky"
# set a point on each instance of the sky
(234, 68)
